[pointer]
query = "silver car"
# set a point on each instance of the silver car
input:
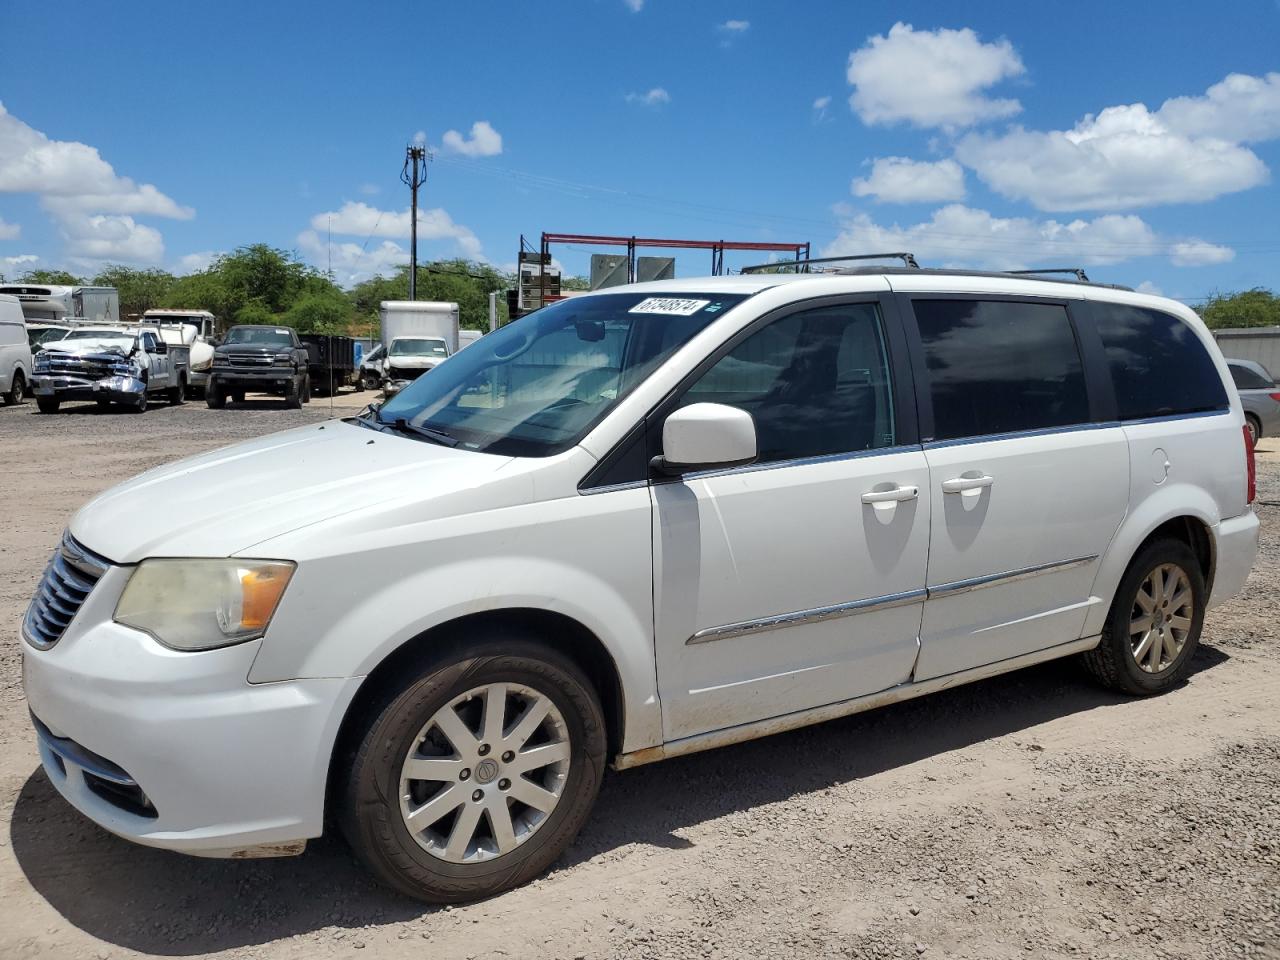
(1259, 396)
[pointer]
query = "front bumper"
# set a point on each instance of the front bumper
(195, 758)
(75, 388)
(240, 378)
(198, 378)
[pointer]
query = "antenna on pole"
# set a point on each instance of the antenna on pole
(414, 174)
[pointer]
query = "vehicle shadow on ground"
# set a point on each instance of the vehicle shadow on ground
(164, 903)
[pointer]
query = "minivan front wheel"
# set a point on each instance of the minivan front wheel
(1154, 625)
(478, 775)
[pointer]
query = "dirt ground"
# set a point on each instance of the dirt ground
(1033, 815)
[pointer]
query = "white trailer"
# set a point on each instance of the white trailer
(418, 335)
(54, 303)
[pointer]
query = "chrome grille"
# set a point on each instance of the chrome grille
(88, 367)
(245, 361)
(71, 574)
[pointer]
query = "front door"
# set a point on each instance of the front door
(1027, 487)
(158, 372)
(796, 581)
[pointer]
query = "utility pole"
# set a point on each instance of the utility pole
(415, 175)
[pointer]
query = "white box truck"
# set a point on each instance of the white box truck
(54, 303)
(418, 335)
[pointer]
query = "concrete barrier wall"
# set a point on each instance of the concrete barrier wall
(1260, 344)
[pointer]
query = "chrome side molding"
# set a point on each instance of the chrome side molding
(855, 607)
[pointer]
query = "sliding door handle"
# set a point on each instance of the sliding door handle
(893, 495)
(963, 484)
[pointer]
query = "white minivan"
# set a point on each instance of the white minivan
(631, 525)
(15, 351)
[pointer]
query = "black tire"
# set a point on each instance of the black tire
(238, 396)
(369, 383)
(214, 397)
(293, 395)
(306, 389)
(1113, 662)
(17, 390)
(138, 404)
(1255, 428)
(370, 815)
(48, 404)
(178, 394)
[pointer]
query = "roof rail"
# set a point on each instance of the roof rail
(908, 259)
(1077, 272)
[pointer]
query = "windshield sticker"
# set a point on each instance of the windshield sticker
(283, 332)
(670, 306)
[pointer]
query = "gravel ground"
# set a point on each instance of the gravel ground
(1032, 815)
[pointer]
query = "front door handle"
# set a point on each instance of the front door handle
(961, 484)
(893, 495)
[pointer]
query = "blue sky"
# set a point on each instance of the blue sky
(995, 134)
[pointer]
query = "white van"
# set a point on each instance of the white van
(15, 352)
(632, 525)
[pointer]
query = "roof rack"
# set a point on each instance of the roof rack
(1077, 272)
(908, 259)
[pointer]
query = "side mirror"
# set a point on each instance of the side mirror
(162, 347)
(705, 436)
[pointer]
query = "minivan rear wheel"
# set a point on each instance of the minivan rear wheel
(1153, 628)
(1254, 426)
(477, 775)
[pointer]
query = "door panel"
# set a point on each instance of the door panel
(776, 586)
(1053, 499)
(743, 546)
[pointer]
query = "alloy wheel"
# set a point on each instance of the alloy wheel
(485, 773)
(1161, 618)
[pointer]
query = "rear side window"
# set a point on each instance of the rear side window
(998, 366)
(1247, 378)
(1158, 364)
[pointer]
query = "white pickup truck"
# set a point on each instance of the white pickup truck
(112, 365)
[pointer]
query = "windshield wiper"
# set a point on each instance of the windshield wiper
(428, 433)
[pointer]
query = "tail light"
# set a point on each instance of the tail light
(1251, 466)
(1274, 396)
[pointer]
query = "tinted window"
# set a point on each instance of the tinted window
(1247, 378)
(1158, 364)
(816, 383)
(1000, 367)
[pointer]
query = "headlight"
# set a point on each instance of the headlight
(202, 364)
(126, 369)
(202, 604)
(284, 358)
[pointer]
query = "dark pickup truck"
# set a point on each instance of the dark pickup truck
(259, 359)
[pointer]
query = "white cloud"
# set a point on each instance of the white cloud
(821, 103)
(1241, 108)
(1146, 286)
(195, 262)
(484, 142)
(9, 231)
(73, 175)
(902, 180)
(369, 189)
(352, 262)
(931, 78)
(735, 26)
(361, 220)
(10, 267)
(420, 137)
(635, 6)
(960, 236)
(115, 237)
(654, 97)
(1124, 157)
(1200, 253)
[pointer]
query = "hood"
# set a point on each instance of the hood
(414, 363)
(250, 349)
(88, 346)
(223, 502)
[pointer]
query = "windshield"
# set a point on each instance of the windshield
(536, 386)
(406, 347)
(261, 336)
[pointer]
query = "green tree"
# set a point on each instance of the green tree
(321, 311)
(575, 283)
(464, 282)
(51, 277)
(1258, 307)
(254, 312)
(204, 290)
(140, 290)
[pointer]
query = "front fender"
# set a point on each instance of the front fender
(345, 613)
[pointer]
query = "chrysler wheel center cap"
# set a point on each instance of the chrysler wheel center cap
(486, 770)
